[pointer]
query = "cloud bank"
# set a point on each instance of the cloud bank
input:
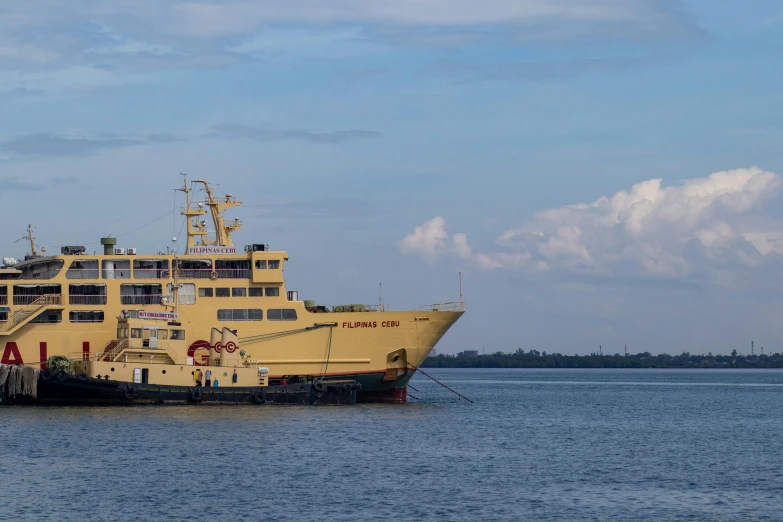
(651, 230)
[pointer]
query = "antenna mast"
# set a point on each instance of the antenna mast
(29, 237)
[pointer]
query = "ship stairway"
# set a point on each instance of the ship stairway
(24, 315)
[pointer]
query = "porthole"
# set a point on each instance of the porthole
(112, 369)
(164, 371)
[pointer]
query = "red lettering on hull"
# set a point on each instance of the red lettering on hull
(11, 350)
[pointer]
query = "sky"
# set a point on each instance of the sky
(601, 172)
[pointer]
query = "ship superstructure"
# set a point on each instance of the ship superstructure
(61, 304)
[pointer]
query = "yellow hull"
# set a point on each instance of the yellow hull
(384, 346)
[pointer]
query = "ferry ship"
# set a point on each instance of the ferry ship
(67, 304)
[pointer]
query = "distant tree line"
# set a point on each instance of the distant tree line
(536, 359)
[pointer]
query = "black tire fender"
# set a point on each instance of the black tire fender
(347, 387)
(259, 397)
(62, 376)
(46, 375)
(318, 386)
(129, 392)
(195, 394)
(82, 377)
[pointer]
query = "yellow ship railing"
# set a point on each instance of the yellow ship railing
(453, 306)
(42, 301)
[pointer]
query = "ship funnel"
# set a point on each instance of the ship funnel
(214, 347)
(229, 344)
(108, 245)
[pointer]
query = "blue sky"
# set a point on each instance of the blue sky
(403, 142)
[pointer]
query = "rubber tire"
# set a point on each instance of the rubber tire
(82, 377)
(196, 394)
(46, 375)
(318, 386)
(62, 376)
(130, 393)
(259, 397)
(347, 387)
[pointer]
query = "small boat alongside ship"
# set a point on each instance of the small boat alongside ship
(186, 312)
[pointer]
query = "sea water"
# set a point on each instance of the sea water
(535, 445)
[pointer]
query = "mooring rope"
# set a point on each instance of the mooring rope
(436, 380)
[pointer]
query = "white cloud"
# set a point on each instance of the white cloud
(653, 230)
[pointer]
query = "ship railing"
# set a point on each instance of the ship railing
(35, 305)
(117, 273)
(37, 300)
(81, 273)
(150, 273)
(140, 299)
(93, 299)
(195, 273)
(233, 273)
(375, 308)
(452, 306)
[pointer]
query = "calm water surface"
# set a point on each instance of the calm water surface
(537, 444)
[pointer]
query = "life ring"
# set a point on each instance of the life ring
(47, 375)
(318, 386)
(259, 397)
(195, 394)
(82, 377)
(62, 376)
(213, 275)
(129, 393)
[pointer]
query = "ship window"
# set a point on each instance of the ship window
(82, 269)
(238, 292)
(42, 269)
(274, 264)
(256, 292)
(177, 335)
(135, 333)
(3, 316)
(3, 295)
(195, 268)
(86, 316)
(281, 314)
(272, 292)
(87, 294)
(222, 292)
(205, 292)
(241, 314)
(122, 333)
(151, 268)
(140, 294)
(163, 334)
(232, 268)
(27, 294)
(116, 269)
(49, 317)
(261, 264)
(186, 294)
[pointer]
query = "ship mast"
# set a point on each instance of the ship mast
(31, 238)
(192, 214)
(223, 230)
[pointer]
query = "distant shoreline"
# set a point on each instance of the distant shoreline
(535, 359)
